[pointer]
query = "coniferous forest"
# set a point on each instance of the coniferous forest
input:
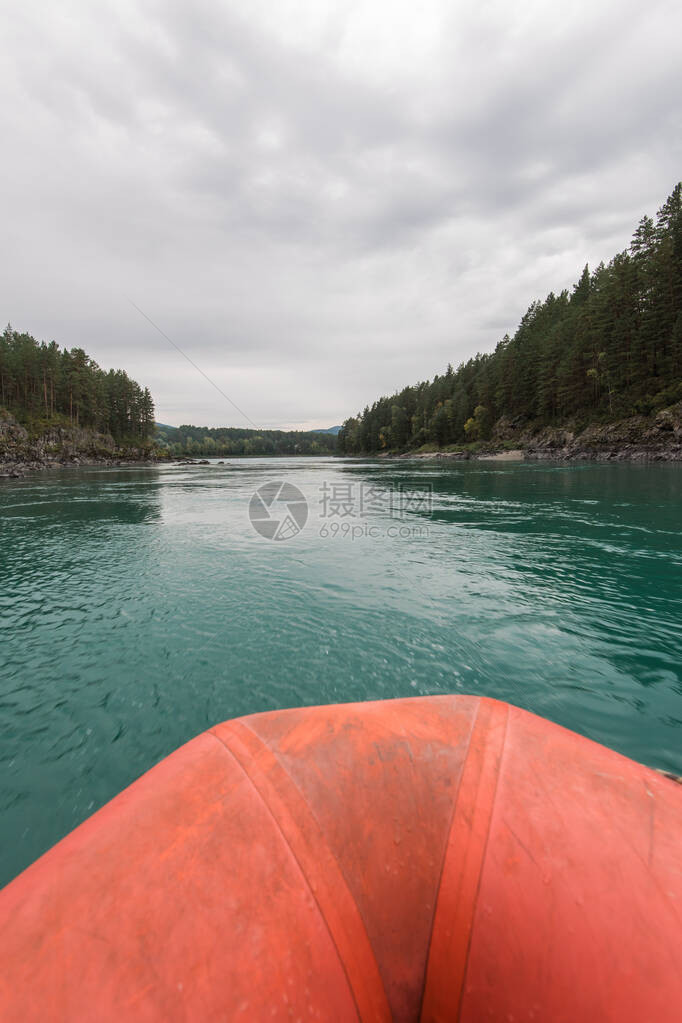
(42, 383)
(610, 348)
(232, 441)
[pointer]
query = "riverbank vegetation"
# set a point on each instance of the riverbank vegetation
(207, 442)
(45, 386)
(608, 350)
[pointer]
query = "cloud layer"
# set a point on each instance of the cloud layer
(319, 202)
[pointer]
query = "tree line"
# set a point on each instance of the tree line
(208, 442)
(43, 383)
(610, 348)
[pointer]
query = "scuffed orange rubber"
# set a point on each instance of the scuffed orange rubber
(444, 858)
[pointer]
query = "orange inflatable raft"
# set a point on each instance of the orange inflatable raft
(446, 858)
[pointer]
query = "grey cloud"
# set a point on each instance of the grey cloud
(314, 230)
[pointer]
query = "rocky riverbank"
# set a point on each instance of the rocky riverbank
(21, 453)
(655, 438)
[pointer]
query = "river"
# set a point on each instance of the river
(140, 606)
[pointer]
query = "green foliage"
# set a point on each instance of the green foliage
(45, 385)
(611, 348)
(478, 426)
(207, 442)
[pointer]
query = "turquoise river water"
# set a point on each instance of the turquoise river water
(140, 606)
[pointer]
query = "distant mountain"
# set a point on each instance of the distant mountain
(333, 430)
(232, 441)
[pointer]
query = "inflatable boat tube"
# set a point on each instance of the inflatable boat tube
(445, 858)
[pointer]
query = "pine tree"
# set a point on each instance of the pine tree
(610, 348)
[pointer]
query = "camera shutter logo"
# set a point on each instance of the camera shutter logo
(278, 510)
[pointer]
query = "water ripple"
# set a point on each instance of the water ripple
(138, 607)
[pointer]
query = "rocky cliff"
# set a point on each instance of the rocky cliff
(21, 451)
(638, 438)
(654, 438)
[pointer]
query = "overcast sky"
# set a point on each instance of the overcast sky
(319, 202)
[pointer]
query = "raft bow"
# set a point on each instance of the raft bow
(444, 858)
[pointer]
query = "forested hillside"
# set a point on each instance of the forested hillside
(42, 383)
(610, 348)
(233, 441)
